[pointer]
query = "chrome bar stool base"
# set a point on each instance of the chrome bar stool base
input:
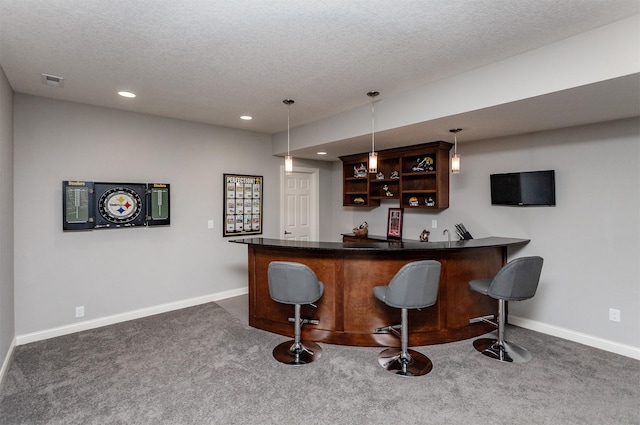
(508, 352)
(417, 364)
(307, 352)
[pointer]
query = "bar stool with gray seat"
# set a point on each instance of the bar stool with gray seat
(295, 283)
(414, 286)
(516, 281)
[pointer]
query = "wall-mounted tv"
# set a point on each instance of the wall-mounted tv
(523, 189)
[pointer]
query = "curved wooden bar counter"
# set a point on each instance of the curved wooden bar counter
(348, 311)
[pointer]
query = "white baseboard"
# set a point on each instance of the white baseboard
(7, 359)
(123, 317)
(581, 338)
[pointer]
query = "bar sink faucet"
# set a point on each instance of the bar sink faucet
(448, 233)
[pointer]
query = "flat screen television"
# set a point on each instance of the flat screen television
(524, 189)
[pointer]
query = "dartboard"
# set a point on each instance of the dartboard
(120, 205)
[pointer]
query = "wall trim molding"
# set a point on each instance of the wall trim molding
(581, 338)
(7, 360)
(123, 317)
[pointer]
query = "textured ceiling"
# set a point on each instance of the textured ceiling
(211, 61)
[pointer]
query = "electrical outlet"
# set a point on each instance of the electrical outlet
(434, 224)
(614, 315)
(210, 224)
(80, 311)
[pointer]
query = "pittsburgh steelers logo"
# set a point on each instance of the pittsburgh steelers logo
(120, 205)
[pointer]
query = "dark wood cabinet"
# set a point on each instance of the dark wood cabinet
(355, 187)
(418, 176)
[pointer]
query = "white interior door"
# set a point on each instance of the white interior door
(299, 207)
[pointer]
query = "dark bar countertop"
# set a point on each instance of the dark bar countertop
(384, 244)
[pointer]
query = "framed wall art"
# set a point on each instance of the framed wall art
(88, 205)
(242, 205)
(394, 223)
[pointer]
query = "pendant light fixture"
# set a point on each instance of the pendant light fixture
(373, 155)
(288, 160)
(455, 159)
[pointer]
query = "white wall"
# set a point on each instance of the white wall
(590, 240)
(6, 221)
(115, 271)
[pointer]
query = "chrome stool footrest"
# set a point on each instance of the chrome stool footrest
(391, 328)
(486, 319)
(305, 321)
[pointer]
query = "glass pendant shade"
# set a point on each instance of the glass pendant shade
(373, 162)
(455, 159)
(288, 165)
(455, 164)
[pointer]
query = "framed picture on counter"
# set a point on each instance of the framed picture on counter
(242, 205)
(394, 223)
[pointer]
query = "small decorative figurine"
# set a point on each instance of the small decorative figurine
(395, 175)
(358, 200)
(380, 175)
(386, 191)
(413, 201)
(361, 230)
(430, 202)
(424, 164)
(359, 171)
(424, 236)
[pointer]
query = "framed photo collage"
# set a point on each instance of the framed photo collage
(242, 205)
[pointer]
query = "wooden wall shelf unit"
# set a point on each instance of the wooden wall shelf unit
(421, 180)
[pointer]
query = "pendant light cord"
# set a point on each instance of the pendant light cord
(455, 132)
(373, 128)
(288, 102)
(288, 131)
(372, 95)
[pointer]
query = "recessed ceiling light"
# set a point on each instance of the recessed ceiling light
(321, 153)
(246, 117)
(126, 94)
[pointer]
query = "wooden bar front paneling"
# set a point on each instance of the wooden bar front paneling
(349, 313)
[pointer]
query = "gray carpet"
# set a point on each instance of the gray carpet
(201, 365)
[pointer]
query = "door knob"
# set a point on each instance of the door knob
(287, 233)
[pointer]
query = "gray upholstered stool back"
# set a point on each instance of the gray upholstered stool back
(414, 286)
(293, 283)
(518, 280)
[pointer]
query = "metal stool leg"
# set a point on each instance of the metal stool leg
(297, 352)
(499, 349)
(405, 362)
